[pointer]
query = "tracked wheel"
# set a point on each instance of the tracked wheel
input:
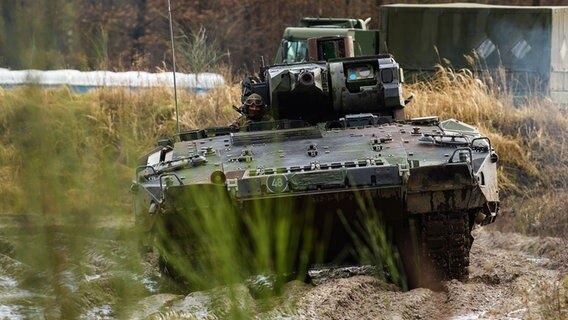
(446, 242)
(438, 248)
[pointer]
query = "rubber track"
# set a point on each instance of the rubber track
(446, 241)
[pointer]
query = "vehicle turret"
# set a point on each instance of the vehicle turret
(325, 90)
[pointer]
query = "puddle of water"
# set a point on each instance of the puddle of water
(541, 261)
(101, 313)
(10, 312)
(7, 282)
(16, 303)
(89, 273)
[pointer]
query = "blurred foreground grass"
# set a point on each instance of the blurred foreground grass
(68, 157)
(66, 163)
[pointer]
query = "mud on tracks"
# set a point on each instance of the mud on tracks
(511, 277)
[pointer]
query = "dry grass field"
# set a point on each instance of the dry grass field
(68, 157)
(530, 138)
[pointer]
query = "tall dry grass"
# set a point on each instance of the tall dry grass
(530, 139)
(76, 152)
(61, 151)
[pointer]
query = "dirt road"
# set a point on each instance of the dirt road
(511, 277)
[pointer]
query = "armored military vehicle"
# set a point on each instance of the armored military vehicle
(339, 149)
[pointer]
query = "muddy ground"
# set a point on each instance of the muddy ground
(511, 277)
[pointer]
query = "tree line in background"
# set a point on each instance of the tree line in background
(134, 34)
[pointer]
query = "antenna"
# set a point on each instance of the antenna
(262, 69)
(174, 64)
